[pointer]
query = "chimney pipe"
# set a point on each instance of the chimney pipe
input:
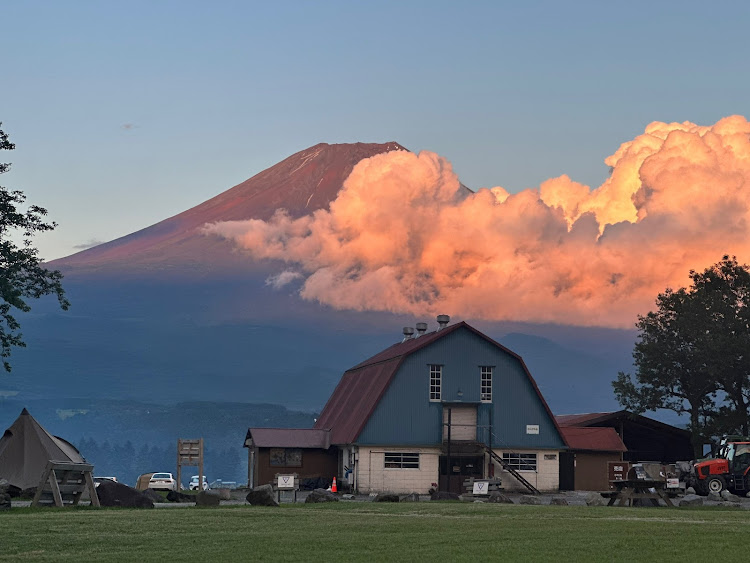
(443, 321)
(408, 333)
(421, 329)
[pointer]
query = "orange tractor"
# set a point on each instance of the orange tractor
(728, 469)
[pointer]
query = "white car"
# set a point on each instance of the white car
(162, 482)
(194, 483)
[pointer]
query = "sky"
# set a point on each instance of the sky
(124, 114)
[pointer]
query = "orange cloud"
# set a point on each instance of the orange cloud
(401, 236)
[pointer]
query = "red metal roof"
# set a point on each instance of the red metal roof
(609, 418)
(309, 438)
(593, 439)
(361, 387)
(581, 419)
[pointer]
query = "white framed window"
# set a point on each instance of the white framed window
(436, 382)
(520, 461)
(401, 460)
(485, 384)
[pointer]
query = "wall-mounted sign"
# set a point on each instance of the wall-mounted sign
(532, 429)
(285, 482)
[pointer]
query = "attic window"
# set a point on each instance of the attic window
(436, 380)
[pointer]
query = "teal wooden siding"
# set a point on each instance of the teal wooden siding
(406, 416)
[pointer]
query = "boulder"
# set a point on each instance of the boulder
(386, 497)
(414, 497)
(224, 494)
(321, 495)
(691, 500)
(112, 493)
(500, 498)
(714, 497)
(530, 499)
(153, 495)
(559, 501)
(347, 496)
(690, 491)
(262, 496)
(595, 499)
(729, 497)
(4, 495)
(443, 495)
(207, 498)
(176, 496)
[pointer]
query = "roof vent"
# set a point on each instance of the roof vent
(408, 333)
(443, 321)
(421, 329)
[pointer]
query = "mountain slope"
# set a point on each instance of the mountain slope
(302, 183)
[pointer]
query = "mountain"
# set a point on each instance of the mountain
(302, 183)
(166, 315)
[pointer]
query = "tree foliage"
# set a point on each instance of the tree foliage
(692, 355)
(22, 277)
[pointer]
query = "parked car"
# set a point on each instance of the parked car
(194, 483)
(162, 482)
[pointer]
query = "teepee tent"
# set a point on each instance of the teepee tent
(25, 449)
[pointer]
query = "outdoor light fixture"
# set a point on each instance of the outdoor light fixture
(460, 393)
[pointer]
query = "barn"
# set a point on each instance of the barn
(438, 408)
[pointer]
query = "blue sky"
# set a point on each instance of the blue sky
(124, 114)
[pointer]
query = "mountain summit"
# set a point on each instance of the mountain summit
(302, 183)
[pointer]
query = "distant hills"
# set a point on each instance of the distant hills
(166, 315)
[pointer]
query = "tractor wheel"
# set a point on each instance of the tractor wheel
(715, 484)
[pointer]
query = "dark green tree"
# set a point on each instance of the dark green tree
(22, 276)
(692, 355)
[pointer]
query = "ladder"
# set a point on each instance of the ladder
(511, 470)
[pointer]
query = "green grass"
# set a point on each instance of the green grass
(424, 531)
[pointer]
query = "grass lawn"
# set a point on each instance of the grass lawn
(440, 532)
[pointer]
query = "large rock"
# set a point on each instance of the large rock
(176, 496)
(321, 495)
(112, 493)
(386, 497)
(153, 495)
(207, 498)
(729, 497)
(714, 497)
(262, 496)
(224, 494)
(500, 498)
(530, 499)
(560, 501)
(595, 499)
(414, 497)
(443, 495)
(4, 495)
(691, 500)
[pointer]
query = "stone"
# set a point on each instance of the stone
(714, 497)
(559, 501)
(4, 495)
(153, 495)
(386, 497)
(348, 496)
(595, 499)
(175, 496)
(207, 498)
(443, 495)
(321, 495)
(224, 493)
(4, 486)
(262, 495)
(112, 493)
(690, 491)
(729, 497)
(691, 500)
(500, 498)
(414, 497)
(530, 499)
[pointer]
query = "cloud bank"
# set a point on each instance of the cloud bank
(401, 237)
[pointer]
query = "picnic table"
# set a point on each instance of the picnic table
(628, 490)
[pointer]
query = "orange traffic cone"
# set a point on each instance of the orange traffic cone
(333, 487)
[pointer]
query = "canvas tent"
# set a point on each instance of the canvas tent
(25, 449)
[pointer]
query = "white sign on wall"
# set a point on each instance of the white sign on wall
(481, 487)
(532, 429)
(285, 482)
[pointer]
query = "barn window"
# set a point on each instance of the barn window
(401, 460)
(436, 380)
(286, 457)
(485, 386)
(520, 462)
